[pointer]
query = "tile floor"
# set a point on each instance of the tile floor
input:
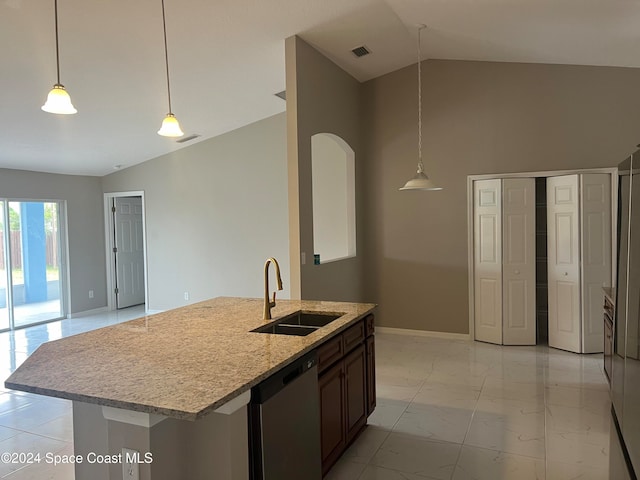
(465, 410)
(447, 409)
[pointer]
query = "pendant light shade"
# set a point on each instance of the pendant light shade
(58, 100)
(170, 125)
(420, 181)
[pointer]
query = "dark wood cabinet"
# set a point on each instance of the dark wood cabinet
(355, 392)
(346, 368)
(371, 374)
(331, 386)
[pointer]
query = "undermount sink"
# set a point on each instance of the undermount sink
(299, 323)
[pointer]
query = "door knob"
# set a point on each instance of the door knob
(517, 272)
(566, 273)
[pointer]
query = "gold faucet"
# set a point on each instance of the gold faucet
(268, 305)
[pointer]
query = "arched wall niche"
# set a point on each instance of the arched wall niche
(334, 204)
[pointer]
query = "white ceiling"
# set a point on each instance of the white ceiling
(227, 61)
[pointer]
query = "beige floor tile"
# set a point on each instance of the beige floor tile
(435, 422)
(417, 456)
(572, 471)
(483, 464)
(503, 433)
(345, 469)
(367, 444)
(379, 473)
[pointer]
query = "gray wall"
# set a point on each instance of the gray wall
(85, 222)
(479, 117)
(217, 209)
(214, 212)
(321, 98)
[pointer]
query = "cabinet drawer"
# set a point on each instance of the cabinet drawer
(370, 327)
(330, 352)
(353, 336)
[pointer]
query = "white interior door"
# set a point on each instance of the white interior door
(518, 261)
(563, 250)
(595, 221)
(129, 244)
(488, 261)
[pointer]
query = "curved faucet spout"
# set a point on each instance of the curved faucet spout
(268, 305)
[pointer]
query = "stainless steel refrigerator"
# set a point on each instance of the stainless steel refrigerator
(625, 378)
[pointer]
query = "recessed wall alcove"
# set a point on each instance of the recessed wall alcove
(334, 204)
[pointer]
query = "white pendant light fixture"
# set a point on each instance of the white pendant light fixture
(170, 126)
(58, 100)
(420, 181)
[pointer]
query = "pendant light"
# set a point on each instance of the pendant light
(58, 100)
(420, 181)
(170, 126)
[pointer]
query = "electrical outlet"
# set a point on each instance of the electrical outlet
(303, 258)
(90, 293)
(186, 295)
(130, 467)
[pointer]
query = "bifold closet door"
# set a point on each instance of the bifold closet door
(518, 261)
(579, 253)
(487, 257)
(563, 252)
(595, 222)
(504, 261)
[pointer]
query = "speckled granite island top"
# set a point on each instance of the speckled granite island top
(182, 363)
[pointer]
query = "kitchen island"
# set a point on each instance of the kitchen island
(174, 385)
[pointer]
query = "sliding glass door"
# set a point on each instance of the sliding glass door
(30, 287)
(4, 271)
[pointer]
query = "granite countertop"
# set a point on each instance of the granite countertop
(182, 363)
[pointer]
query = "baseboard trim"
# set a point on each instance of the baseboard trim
(86, 313)
(152, 311)
(423, 333)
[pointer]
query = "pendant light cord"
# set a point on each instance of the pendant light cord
(55, 7)
(420, 164)
(166, 54)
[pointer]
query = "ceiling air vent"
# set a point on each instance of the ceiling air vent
(282, 94)
(187, 138)
(361, 51)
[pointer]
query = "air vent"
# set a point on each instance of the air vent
(361, 51)
(187, 138)
(282, 94)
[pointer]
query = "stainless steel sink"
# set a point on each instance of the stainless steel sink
(299, 323)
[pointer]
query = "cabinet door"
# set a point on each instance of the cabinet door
(563, 246)
(371, 374)
(332, 419)
(487, 247)
(355, 392)
(519, 261)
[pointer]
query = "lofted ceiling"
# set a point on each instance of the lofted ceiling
(227, 61)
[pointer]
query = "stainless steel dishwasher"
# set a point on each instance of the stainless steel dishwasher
(284, 424)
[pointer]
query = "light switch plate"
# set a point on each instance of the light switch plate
(130, 467)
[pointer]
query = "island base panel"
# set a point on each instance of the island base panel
(215, 446)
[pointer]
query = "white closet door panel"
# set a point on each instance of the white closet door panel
(563, 249)
(488, 261)
(595, 214)
(519, 261)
